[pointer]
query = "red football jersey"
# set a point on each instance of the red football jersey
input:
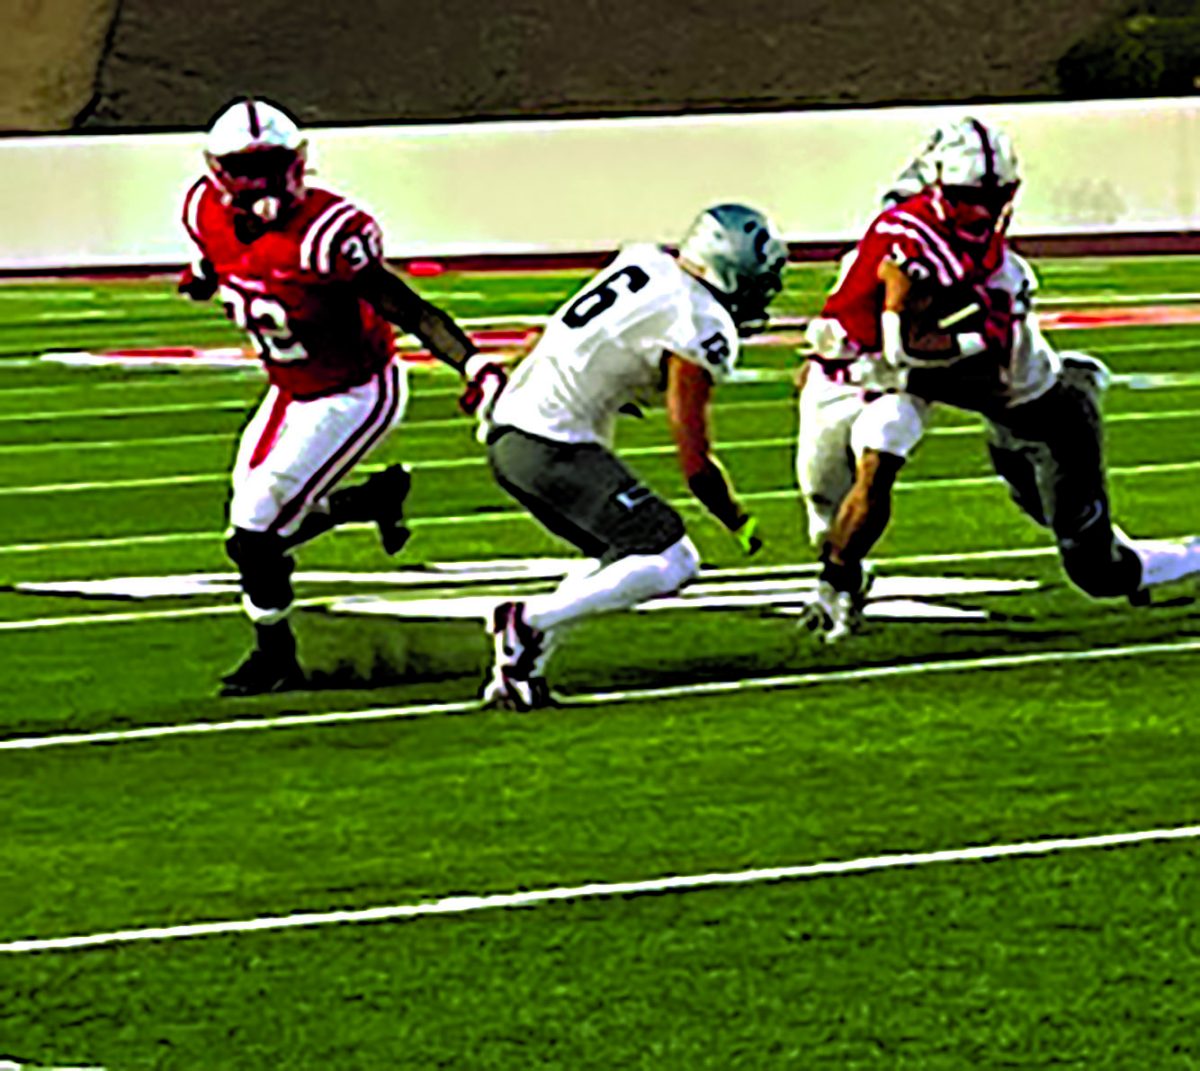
(292, 288)
(912, 235)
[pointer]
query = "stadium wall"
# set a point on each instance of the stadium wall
(561, 191)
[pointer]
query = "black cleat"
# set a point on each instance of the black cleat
(393, 535)
(379, 498)
(263, 674)
(389, 489)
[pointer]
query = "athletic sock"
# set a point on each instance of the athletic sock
(616, 586)
(1164, 561)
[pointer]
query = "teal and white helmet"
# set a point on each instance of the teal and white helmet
(739, 254)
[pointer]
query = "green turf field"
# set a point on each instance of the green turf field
(701, 741)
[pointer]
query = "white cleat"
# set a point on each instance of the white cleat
(506, 692)
(832, 615)
(1164, 561)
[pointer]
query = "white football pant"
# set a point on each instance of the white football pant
(293, 453)
(837, 424)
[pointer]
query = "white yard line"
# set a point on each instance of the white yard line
(114, 485)
(1107, 297)
(128, 616)
(184, 380)
(946, 483)
(113, 444)
(125, 617)
(507, 515)
(11, 1065)
(130, 411)
(465, 903)
(634, 695)
(459, 462)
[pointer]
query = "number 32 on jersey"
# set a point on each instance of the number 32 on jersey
(265, 319)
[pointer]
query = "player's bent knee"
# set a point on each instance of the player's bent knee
(245, 546)
(682, 563)
(265, 570)
(1018, 472)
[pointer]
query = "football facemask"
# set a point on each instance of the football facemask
(257, 155)
(976, 214)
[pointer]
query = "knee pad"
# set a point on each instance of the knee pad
(265, 570)
(653, 528)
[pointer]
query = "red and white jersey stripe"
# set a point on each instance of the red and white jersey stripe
(910, 234)
(294, 287)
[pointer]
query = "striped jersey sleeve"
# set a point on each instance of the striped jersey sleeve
(191, 211)
(340, 241)
(918, 249)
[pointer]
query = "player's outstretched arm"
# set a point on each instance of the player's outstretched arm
(403, 306)
(689, 388)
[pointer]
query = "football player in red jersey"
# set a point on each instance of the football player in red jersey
(946, 238)
(971, 340)
(301, 270)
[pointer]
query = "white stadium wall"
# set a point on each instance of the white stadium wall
(545, 187)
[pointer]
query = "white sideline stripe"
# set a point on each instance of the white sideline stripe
(229, 437)
(123, 617)
(677, 691)
(774, 403)
(245, 404)
(128, 616)
(747, 376)
(459, 905)
(111, 444)
(505, 515)
(189, 378)
(136, 410)
(965, 481)
(1073, 298)
(12, 1065)
(114, 485)
(481, 462)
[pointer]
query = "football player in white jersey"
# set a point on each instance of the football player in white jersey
(649, 322)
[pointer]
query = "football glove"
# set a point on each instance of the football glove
(198, 281)
(485, 380)
(746, 534)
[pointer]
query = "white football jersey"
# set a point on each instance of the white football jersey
(605, 348)
(1034, 364)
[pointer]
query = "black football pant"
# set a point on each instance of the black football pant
(1050, 452)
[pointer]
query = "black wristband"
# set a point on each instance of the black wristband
(712, 489)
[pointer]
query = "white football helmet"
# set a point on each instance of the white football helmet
(976, 178)
(738, 252)
(257, 154)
